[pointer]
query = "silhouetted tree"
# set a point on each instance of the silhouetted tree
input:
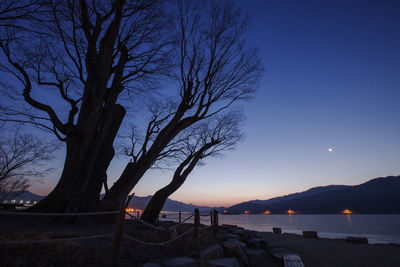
(207, 139)
(21, 158)
(88, 53)
(214, 69)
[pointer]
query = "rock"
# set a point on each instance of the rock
(231, 236)
(244, 235)
(173, 233)
(229, 225)
(254, 234)
(277, 230)
(180, 262)
(278, 252)
(357, 240)
(312, 234)
(213, 252)
(256, 257)
(258, 243)
(236, 248)
(151, 264)
(224, 262)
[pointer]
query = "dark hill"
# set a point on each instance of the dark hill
(380, 195)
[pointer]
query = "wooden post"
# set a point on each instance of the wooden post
(215, 219)
(137, 214)
(180, 217)
(211, 218)
(119, 232)
(196, 222)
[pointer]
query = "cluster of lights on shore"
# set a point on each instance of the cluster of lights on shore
(290, 211)
(23, 202)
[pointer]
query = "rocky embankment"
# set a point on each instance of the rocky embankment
(235, 247)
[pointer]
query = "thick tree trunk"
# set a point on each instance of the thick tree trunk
(106, 154)
(86, 162)
(66, 196)
(118, 192)
(154, 207)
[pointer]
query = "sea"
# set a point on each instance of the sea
(377, 228)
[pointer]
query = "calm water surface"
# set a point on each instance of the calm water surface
(377, 228)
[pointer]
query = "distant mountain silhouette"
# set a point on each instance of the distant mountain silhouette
(170, 205)
(24, 196)
(136, 202)
(380, 195)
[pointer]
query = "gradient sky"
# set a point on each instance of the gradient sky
(332, 80)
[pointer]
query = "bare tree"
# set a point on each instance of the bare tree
(22, 160)
(214, 69)
(209, 139)
(89, 54)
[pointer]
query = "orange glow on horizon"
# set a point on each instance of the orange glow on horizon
(347, 211)
(133, 210)
(267, 212)
(290, 211)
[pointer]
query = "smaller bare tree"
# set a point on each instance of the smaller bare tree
(207, 139)
(23, 158)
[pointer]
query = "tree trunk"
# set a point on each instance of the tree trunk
(106, 154)
(154, 207)
(87, 159)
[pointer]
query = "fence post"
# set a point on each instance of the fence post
(137, 214)
(215, 219)
(119, 232)
(196, 222)
(211, 218)
(180, 217)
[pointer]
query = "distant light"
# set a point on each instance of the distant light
(330, 149)
(290, 212)
(246, 212)
(267, 212)
(347, 211)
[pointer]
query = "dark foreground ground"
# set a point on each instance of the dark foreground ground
(98, 252)
(336, 252)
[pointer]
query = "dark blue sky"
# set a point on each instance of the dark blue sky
(332, 80)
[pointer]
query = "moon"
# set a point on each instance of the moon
(330, 149)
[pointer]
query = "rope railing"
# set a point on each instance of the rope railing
(144, 222)
(58, 214)
(159, 243)
(119, 232)
(13, 242)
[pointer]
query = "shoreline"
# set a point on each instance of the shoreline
(335, 252)
(312, 251)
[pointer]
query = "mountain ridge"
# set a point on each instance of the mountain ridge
(379, 195)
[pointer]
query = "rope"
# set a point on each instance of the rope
(179, 224)
(58, 214)
(158, 243)
(53, 240)
(187, 218)
(145, 223)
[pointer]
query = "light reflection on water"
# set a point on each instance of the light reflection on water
(377, 228)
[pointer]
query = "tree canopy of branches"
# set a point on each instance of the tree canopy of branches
(87, 53)
(21, 159)
(207, 139)
(93, 53)
(213, 69)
